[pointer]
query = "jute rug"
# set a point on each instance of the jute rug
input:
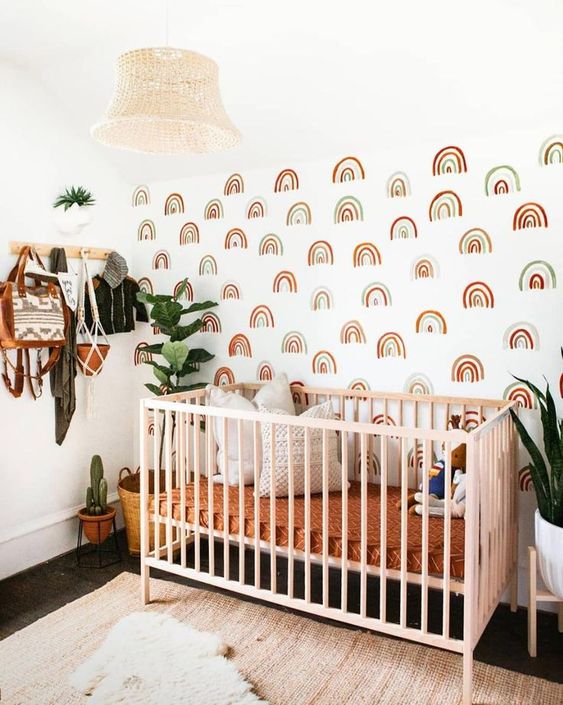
(291, 660)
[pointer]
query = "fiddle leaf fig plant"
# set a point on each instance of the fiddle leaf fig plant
(180, 361)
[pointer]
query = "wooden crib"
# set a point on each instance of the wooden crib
(334, 542)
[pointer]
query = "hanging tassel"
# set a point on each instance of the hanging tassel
(90, 400)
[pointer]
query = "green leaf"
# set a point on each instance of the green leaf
(154, 389)
(161, 376)
(155, 349)
(200, 307)
(190, 387)
(166, 371)
(199, 355)
(183, 332)
(176, 354)
(147, 298)
(167, 313)
(181, 290)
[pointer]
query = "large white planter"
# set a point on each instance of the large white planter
(549, 545)
(73, 220)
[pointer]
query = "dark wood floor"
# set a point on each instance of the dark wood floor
(38, 591)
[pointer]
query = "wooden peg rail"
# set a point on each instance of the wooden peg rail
(43, 249)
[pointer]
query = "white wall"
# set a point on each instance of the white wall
(43, 484)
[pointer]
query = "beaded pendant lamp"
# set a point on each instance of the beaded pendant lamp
(166, 101)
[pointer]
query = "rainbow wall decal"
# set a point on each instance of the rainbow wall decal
(501, 180)
(234, 185)
(286, 180)
(270, 245)
(324, 363)
(321, 299)
(468, 369)
(398, 185)
(174, 204)
(348, 209)
(449, 160)
(294, 343)
(265, 372)
(224, 376)
(478, 295)
(473, 419)
(207, 266)
(444, 205)
(529, 215)
(525, 481)
(211, 323)
(236, 239)
(230, 291)
(403, 228)
(475, 242)
(352, 332)
(521, 395)
(320, 252)
(161, 260)
(359, 385)
(188, 294)
(189, 234)
(300, 397)
(239, 346)
(261, 317)
(521, 336)
(213, 210)
(146, 231)
(141, 197)
(348, 169)
(431, 322)
(391, 345)
(383, 420)
(536, 276)
(366, 254)
(425, 267)
(256, 208)
(376, 294)
(299, 214)
(418, 383)
(285, 283)
(551, 151)
(145, 284)
(141, 356)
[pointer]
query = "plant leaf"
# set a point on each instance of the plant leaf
(167, 313)
(183, 332)
(199, 355)
(154, 389)
(181, 290)
(176, 354)
(200, 307)
(147, 298)
(155, 349)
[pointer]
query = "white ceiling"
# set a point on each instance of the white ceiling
(305, 79)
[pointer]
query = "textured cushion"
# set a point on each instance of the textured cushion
(276, 395)
(281, 469)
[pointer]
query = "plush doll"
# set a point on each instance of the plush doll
(436, 507)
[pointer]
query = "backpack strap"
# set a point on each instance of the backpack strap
(22, 371)
(16, 387)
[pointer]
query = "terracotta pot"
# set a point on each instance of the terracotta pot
(96, 360)
(97, 527)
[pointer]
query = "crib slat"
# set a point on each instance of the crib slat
(273, 577)
(447, 540)
(197, 462)
(426, 464)
(291, 510)
(307, 516)
(168, 482)
(344, 569)
(404, 499)
(210, 498)
(256, 506)
(226, 512)
(363, 524)
(156, 464)
(181, 480)
(241, 531)
(325, 546)
(383, 529)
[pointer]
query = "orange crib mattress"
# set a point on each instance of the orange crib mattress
(414, 525)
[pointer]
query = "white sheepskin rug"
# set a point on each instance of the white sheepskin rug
(149, 658)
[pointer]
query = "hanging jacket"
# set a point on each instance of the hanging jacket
(118, 307)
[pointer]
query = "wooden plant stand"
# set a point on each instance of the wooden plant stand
(536, 596)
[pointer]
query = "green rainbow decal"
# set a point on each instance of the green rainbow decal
(213, 210)
(537, 276)
(146, 231)
(189, 234)
(398, 185)
(261, 317)
(321, 299)
(449, 160)
(299, 214)
(418, 383)
(352, 332)
(475, 242)
(320, 252)
(521, 336)
(366, 254)
(230, 291)
(467, 369)
(207, 266)
(551, 151)
(141, 197)
(294, 343)
(501, 180)
(270, 245)
(174, 204)
(348, 209)
(376, 294)
(324, 363)
(445, 205)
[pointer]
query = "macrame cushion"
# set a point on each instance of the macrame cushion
(276, 395)
(281, 455)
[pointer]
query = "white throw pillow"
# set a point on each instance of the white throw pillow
(215, 396)
(276, 395)
(281, 459)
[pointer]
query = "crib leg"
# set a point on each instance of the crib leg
(145, 583)
(467, 675)
(514, 590)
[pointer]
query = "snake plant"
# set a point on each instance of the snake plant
(72, 195)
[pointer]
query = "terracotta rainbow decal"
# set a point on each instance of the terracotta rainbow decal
(299, 214)
(213, 210)
(211, 323)
(321, 299)
(141, 197)
(501, 180)
(468, 368)
(449, 160)
(294, 343)
(425, 267)
(478, 295)
(418, 383)
(270, 245)
(300, 398)
(352, 332)
(475, 242)
(285, 283)
(366, 254)
(207, 266)
(348, 209)
(286, 180)
(224, 376)
(359, 385)
(188, 294)
(444, 205)
(257, 208)
(145, 285)
(348, 169)
(236, 239)
(529, 215)
(391, 345)
(230, 291)
(141, 356)
(373, 464)
(189, 234)
(174, 204)
(146, 231)
(265, 372)
(398, 185)
(521, 336)
(320, 252)
(432, 322)
(376, 294)
(239, 346)
(551, 151)
(403, 228)
(261, 317)
(383, 420)
(521, 395)
(234, 185)
(324, 363)
(161, 260)
(473, 420)
(536, 276)
(525, 482)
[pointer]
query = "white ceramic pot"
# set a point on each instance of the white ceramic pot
(549, 546)
(73, 220)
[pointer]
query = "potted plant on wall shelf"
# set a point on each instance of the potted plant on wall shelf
(72, 209)
(97, 517)
(548, 486)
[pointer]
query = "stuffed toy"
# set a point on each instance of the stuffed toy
(436, 507)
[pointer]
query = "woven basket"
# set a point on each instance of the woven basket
(129, 490)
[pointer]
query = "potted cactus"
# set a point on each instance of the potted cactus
(97, 517)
